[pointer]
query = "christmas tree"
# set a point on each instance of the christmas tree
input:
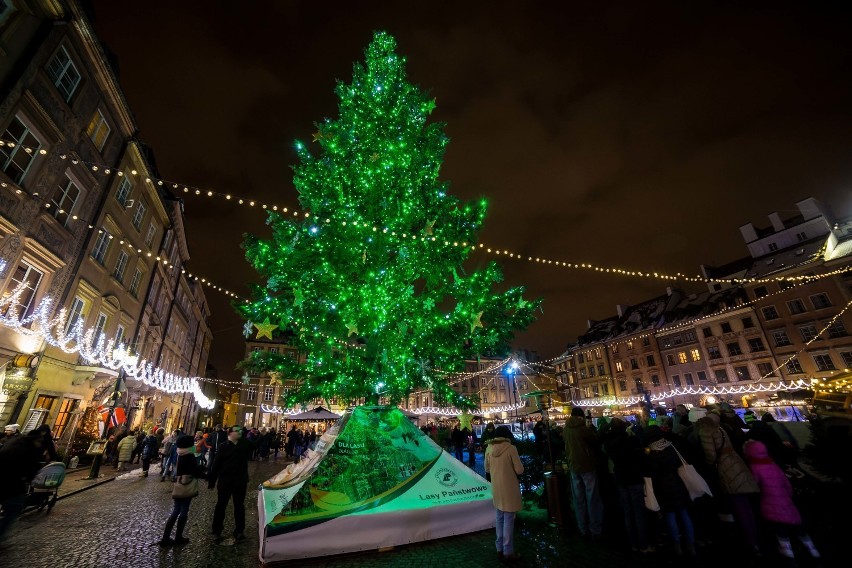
(370, 284)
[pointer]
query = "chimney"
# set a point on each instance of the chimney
(776, 221)
(811, 208)
(748, 232)
(621, 309)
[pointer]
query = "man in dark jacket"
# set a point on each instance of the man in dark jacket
(581, 449)
(230, 471)
(20, 460)
(216, 437)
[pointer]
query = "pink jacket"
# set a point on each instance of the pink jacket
(776, 493)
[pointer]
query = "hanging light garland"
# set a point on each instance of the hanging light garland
(481, 247)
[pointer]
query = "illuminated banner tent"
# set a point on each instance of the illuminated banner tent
(375, 480)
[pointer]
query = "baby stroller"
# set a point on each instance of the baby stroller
(44, 488)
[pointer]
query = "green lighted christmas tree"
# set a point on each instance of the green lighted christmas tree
(370, 286)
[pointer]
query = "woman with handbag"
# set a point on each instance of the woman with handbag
(185, 488)
(504, 465)
(671, 493)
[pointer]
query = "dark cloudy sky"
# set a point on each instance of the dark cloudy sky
(632, 134)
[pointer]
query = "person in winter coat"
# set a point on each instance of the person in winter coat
(662, 467)
(125, 451)
(776, 499)
(628, 457)
(504, 465)
(170, 456)
(230, 471)
(187, 465)
(149, 452)
(581, 445)
(20, 459)
(733, 478)
(458, 439)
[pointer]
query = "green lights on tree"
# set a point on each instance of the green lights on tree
(362, 287)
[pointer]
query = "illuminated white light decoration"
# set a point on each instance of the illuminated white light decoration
(277, 409)
(100, 351)
(449, 411)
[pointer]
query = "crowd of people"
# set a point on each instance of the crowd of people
(640, 471)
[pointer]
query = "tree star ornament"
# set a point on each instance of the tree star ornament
(247, 329)
(353, 329)
(265, 329)
(430, 225)
(477, 321)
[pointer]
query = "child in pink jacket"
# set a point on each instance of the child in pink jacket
(776, 499)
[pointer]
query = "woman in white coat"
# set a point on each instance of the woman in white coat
(504, 465)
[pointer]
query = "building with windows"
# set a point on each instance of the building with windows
(82, 222)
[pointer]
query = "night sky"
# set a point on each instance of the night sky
(633, 134)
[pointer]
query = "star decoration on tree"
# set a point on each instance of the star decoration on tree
(430, 225)
(477, 321)
(247, 329)
(429, 303)
(353, 329)
(265, 329)
(374, 156)
(319, 135)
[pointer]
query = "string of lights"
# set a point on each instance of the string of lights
(197, 191)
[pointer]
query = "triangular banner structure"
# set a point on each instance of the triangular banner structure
(373, 481)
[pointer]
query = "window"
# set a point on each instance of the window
(484, 396)
(707, 331)
(756, 344)
(28, 278)
(64, 201)
(63, 73)
(801, 236)
(598, 353)
(634, 364)
(149, 236)
(676, 381)
(726, 327)
(139, 214)
(760, 292)
(592, 371)
(622, 385)
(134, 284)
(677, 340)
(742, 373)
(779, 336)
(773, 247)
(796, 307)
(847, 358)
(100, 324)
(75, 314)
(646, 341)
(702, 376)
(682, 358)
(837, 329)
(687, 377)
(268, 393)
(69, 405)
(765, 370)
(824, 362)
(122, 194)
(794, 367)
(17, 161)
(747, 323)
(637, 381)
(251, 393)
(714, 352)
(808, 332)
(630, 345)
(98, 130)
(120, 266)
(619, 367)
(583, 373)
(671, 360)
(820, 301)
(601, 370)
(770, 313)
(615, 347)
(721, 375)
(580, 358)
(650, 360)
(655, 380)
(696, 354)
(734, 349)
(689, 336)
(119, 335)
(101, 246)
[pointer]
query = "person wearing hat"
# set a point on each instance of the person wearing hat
(504, 465)
(10, 431)
(185, 489)
(581, 445)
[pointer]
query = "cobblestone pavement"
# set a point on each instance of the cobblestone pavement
(118, 523)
